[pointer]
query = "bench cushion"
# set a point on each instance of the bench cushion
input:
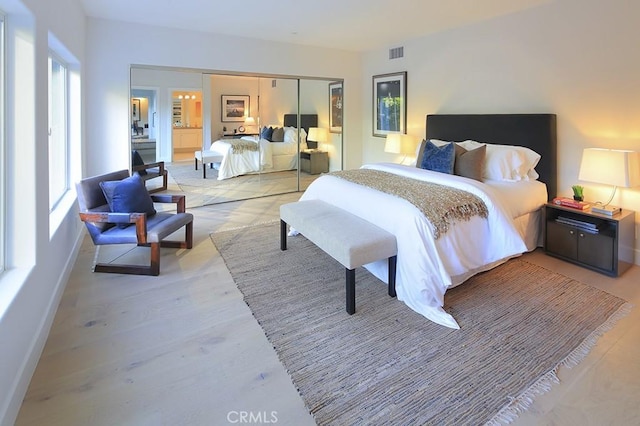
(208, 157)
(347, 238)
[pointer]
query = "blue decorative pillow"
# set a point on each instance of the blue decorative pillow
(267, 132)
(439, 158)
(128, 196)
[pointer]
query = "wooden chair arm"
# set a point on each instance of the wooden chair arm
(159, 165)
(140, 219)
(179, 199)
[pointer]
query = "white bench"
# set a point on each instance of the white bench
(206, 157)
(347, 238)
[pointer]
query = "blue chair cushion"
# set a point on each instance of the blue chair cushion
(439, 158)
(128, 196)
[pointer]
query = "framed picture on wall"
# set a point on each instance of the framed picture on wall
(234, 107)
(389, 104)
(335, 107)
(135, 109)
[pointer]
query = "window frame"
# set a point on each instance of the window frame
(66, 178)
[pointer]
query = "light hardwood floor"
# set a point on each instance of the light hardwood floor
(184, 349)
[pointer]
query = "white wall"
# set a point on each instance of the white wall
(38, 263)
(575, 58)
(108, 65)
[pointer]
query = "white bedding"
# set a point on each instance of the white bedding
(428, 267)
(253, 161)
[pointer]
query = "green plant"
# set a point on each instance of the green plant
(578, 191)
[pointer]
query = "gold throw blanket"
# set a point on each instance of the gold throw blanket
(441, 204)
(238, 146)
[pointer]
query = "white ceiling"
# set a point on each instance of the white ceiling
(356, 25)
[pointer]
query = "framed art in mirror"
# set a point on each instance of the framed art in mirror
(335, 107)
(389, 103)
(234, 108)
(135, 109)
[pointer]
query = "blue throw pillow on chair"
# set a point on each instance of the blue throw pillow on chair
(439, 158)
(128, 196)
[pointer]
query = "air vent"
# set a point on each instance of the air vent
(273, 83)
(396, 52)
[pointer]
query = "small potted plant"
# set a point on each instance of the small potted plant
(578, 194)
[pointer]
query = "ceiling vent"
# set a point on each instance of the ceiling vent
(396, 52)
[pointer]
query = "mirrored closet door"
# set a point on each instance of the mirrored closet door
(226, 137)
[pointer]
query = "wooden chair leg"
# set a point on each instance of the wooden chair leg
(155, 259)
(188, 230)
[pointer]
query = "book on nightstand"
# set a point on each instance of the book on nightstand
(606, 210)
(569, 202)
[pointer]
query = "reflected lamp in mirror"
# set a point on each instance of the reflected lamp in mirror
(247, 126)
(610, 167)
(319, 135)
(397, 143)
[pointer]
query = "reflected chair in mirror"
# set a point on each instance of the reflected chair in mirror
(117, 209)
(149, 171)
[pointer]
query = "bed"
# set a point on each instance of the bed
(430, 262)
(251, 154)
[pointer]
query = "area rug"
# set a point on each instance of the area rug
(389, 365)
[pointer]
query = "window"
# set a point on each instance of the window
(3, 168)
(58, 136)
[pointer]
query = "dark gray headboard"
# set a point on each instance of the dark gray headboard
(535, 131)
(307, 120)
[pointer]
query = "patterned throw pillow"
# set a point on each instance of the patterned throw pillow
(438, 158)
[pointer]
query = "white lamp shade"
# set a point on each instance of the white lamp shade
(397, 143)
(610, 167)
(249, 121)
(318, 134)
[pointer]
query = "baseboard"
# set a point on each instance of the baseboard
(11, 409)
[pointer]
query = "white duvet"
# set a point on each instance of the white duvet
(252, 161)
(428, 267)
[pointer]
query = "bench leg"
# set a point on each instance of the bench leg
(351, 291)
(196, 160)
(283, 235)
(204, 170)
(393, 260)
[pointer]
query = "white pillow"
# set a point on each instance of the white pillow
(507, 162)
(291, 135)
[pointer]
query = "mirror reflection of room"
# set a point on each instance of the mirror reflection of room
(186, 109)
(143, 126)
(184, 114)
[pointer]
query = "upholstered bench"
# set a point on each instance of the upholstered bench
(347, 238)
(206, 157)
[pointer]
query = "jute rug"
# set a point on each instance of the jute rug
(388, 365)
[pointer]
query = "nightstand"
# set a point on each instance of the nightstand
(314, 162)
(602, 243)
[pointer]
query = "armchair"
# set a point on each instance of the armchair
(149, 171)
(110, 225)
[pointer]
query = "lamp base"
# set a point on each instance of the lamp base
(606, 210)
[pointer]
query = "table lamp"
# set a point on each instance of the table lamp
(610, 167)
(319, 135)
(397, 143)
